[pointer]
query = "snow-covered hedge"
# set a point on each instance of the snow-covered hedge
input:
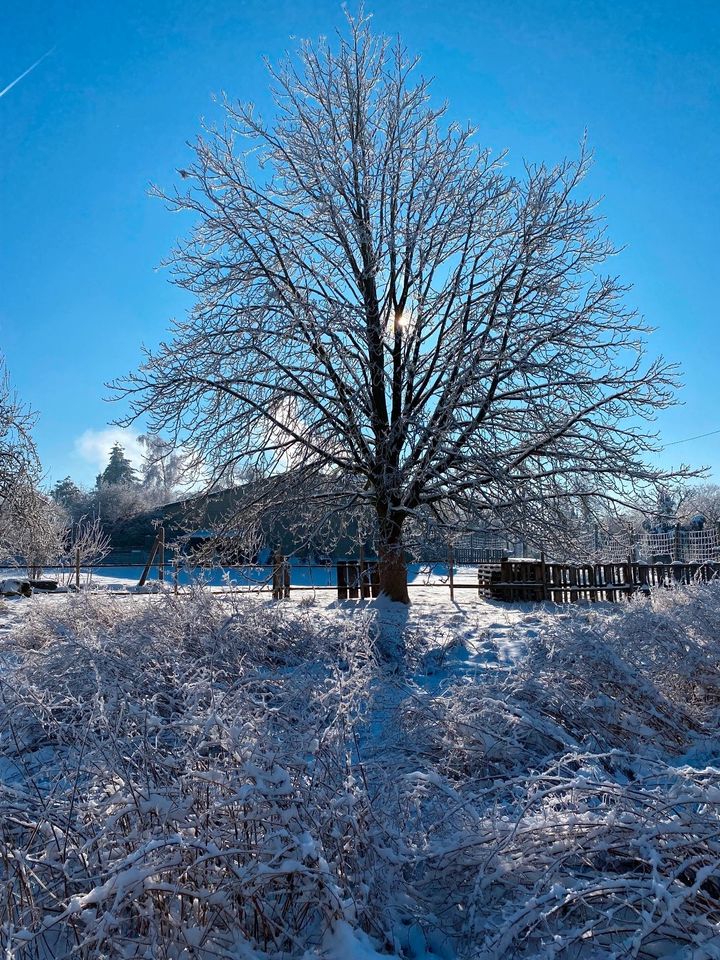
(188, 778)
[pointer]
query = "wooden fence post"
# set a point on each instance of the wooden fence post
(677, 546)
(369, 582)
(277, 575)
(151, 557)
(543, 574)
(281, 576)
(161, 554)
(77, 568)
(364, 585)
(451, 565)
(342, 585)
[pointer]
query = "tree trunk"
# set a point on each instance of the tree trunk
(391, 556)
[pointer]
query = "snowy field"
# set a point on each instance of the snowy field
(217, 775)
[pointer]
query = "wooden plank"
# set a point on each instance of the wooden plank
(280, 577)
(342, 591)
(375, 580)
(148, 565)
(353, 580)
(161, 554)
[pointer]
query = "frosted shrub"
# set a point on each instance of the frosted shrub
(642, 677)
(562, 826)
(195, 777)
(198, 796)
(582, 865)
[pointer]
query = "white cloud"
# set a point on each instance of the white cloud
(94, 446)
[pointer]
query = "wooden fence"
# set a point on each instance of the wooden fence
(357, 580)
(511, 580)
(538, 580)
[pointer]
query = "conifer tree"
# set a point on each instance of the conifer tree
(118, 470)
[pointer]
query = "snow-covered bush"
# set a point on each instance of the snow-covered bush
(179, 780)
(643, 677)
(580, 864)
(203, 777)
(566, 822)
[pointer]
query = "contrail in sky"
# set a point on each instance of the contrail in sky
(23, 75)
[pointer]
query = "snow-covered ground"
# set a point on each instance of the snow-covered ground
(221, 775)
(303, 576)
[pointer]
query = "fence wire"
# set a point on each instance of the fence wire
(671, 545)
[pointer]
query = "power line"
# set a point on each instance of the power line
(700, 436)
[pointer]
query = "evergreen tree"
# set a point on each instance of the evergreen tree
(67, 493)
(118, 470)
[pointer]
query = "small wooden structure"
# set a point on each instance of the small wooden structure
(357, 580)
(538, 580)
(486, 573)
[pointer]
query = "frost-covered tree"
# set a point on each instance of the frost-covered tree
(28, 519)
(33, 530)
(386, 319)
(119, 494)
(114, 503)
(19, 466)
(163, 466)
(701, 500)
(70, 496)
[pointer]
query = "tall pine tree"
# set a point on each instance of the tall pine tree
(118, 470)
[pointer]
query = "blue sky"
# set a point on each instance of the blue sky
(110, 110)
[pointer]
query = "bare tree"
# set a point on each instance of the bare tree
(701, 500)
(19, 467)
(163, 466)
(386, 319)
(33, 530)
(86, 542)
